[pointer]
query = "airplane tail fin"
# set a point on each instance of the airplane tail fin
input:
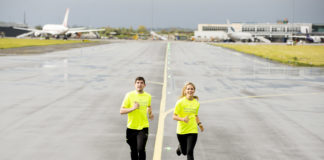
(230, 29)
(307, 34)
(66, 17)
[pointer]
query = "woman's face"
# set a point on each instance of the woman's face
(190, 90)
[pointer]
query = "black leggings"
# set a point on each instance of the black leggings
(137, 141)
(187, 144)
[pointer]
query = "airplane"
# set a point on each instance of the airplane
(310, 39)
(219, 36)
(158, 36)
(238, 36)
(56, 30)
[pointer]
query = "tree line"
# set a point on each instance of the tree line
(142, 31)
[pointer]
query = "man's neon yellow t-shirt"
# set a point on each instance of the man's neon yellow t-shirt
(183, 108)
(137, 119)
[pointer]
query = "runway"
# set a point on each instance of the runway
(251, 108)
(65, 105)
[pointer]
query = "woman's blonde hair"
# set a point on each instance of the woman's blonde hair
(183, 93)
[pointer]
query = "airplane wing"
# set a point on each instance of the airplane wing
(157, 35)
(25, 34)
(35, 30)
(306, 36)
(28, 29)
(263, 39)
(81, 28)
(299, 36)
(72, 30)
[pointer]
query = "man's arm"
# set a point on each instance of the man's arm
(149, 110)
(124, 110)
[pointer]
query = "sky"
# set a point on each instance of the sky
(160, 13)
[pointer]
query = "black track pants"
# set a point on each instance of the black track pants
(187, 144)
(137, 141)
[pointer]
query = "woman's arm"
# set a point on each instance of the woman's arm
(199, 123)
(177, 118)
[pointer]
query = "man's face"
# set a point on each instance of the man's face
(139, 85)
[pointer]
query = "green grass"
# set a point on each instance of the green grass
(15, 43)
(300, 55)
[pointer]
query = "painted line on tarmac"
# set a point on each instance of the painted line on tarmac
(237, 98)
(153, 82)
(160, 131)
(261, 96)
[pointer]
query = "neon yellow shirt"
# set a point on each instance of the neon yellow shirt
(183, 108)
(137, 119)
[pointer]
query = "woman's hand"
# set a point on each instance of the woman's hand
(186, 119)
(201, 127)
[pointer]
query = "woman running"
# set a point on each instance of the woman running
(186, 113)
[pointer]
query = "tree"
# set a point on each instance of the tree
(39, 27)
(164, 31)
(142, 29)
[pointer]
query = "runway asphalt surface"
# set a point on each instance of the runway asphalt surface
(65, 104)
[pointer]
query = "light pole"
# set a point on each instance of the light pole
(293, 9)
(152, 15)
(293, 21)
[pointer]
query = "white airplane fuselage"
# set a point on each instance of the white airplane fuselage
(240, 36)
(211, 35)
(315, 39)
(55, 29)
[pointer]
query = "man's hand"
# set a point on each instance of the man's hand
(135, 106)
(151, 116)
(149, 110)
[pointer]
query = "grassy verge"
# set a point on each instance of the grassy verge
(300, 55)
(15, 43)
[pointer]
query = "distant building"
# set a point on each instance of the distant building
(273, 31)
(318, 29)
(9, 30)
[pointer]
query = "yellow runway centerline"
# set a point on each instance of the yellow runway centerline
(160, 131)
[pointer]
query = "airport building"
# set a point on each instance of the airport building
(9, 31)
(276, 32)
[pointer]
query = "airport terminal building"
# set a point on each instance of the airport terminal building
(276, 32)
(9, 31)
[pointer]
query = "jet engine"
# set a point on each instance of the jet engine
(37, 34)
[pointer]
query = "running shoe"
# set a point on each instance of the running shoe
(179, 150)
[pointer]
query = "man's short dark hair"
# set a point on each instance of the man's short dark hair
(140, 79)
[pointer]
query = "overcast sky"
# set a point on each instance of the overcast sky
(160, 13)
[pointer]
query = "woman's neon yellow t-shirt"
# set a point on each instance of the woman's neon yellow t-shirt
(137, 119)
(183, 108)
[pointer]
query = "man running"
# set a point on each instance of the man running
(137, 104)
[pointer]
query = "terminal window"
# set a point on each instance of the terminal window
(214, 28)
(248, 29)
